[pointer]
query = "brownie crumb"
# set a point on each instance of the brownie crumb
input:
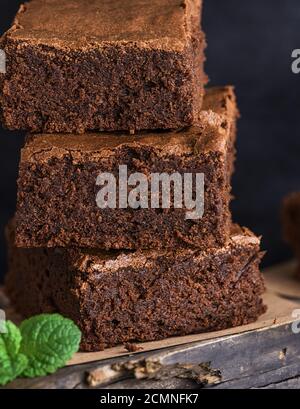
(123, 298)
(128, 64)
(132, 347)
(52, 165)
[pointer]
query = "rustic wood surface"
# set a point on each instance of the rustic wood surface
(258, 359)
(265, 358)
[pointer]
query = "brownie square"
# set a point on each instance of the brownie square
(79, 65)
(291, 222)
(57, 186)
(118, 297)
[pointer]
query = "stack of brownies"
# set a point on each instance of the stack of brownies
(120, 83)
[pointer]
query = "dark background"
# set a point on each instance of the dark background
(249, 45)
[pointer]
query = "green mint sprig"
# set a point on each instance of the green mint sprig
(12, 361)
(40, 346)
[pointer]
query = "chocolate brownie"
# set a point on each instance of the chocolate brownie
(81, 65)
(291, 222)
(120, 297)
(57, 188)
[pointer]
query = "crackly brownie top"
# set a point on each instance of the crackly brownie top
(110, 262)
(159, 23)
(100, 261)
(211, 135)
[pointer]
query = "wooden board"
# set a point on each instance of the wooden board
(251, 355)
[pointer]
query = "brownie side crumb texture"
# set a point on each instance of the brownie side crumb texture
(57, 185)
(76, 65)
(122, 297)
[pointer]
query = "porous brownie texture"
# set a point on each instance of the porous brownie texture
(120, 297)
(57, 185)
(81, 65)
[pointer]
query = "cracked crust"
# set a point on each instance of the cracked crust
(55, 167)
(161, 24)
(120, 297)
(212, 134)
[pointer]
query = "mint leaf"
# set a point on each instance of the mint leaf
(48, 341)
(12, 362)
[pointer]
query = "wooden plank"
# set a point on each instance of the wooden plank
(262, 380)
(293, 383)
(248, 359)
(260, 357)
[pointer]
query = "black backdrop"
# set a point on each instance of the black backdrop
(250, 45)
